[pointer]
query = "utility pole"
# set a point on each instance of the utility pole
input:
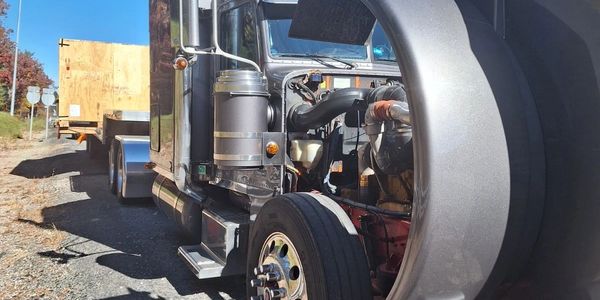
(14, 82)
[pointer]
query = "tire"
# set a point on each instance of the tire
(332, 261)
(120, 176)
(112, 166)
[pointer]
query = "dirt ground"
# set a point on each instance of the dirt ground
(63, 235)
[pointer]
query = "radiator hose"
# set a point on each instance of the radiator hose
(304, 116)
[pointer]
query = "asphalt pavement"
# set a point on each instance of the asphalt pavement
(108, 250)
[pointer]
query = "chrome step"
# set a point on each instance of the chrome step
(224, 243)
(200, 262)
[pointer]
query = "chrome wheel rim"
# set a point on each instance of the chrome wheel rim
(280, 274)
(120, 176)
(111, 169)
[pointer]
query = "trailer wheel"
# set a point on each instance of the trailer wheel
(120, 176)
(298, 249)
(112, 166)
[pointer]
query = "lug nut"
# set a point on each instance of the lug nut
(264, 269)
(267, 268)
(273, 276)
(276, 293)
(257, 283)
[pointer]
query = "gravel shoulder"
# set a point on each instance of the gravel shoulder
(63, 235)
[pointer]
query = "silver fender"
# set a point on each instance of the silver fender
(462, 166)
(137, 179)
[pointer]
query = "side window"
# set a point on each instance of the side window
(238, 36)
(382, 48)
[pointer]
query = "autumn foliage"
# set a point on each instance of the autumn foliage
(30, 71)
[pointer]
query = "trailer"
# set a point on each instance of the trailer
(285, 140)
(104, 91)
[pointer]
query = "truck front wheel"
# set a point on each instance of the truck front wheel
(299, 249)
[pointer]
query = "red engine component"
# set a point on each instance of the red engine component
(384, 239)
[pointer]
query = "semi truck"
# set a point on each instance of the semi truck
(399, 149)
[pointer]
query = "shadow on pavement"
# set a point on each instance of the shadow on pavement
(145, 242)
(78, 161)
(133, 294)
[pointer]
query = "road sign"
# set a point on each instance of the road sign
(48, 97)
(33, 95)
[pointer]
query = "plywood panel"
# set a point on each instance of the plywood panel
(131, 89)
(95, 77)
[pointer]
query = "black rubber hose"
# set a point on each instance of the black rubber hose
(304, 116)
(394, 92)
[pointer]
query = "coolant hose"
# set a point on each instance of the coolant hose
(305, 116)
(387, 103)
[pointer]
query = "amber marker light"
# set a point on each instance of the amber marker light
(272, 149)
(180, 63)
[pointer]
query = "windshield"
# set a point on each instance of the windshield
(281, 44)
(279, 20)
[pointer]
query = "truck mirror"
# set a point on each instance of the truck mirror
(189, 23)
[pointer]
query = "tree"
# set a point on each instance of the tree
(4, 97)
(30, 73)
(3, 8)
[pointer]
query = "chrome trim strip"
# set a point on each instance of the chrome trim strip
(230, 185)
(238, 135)
(237, 157)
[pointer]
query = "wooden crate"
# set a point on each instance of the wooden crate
(95, 77)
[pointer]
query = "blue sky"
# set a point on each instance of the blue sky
(44, 22)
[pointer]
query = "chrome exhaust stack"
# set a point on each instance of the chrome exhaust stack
(178, 206)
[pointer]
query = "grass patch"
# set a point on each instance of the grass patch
(10, 127)
(13, 127)
(39, 123)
